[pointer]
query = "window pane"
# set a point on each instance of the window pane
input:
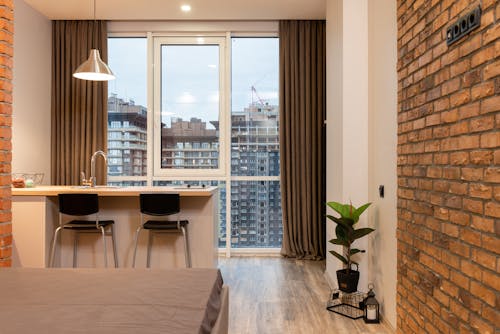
(127, 107)
(255, 117)
(189, 106)
(256, 214)
(255, 205)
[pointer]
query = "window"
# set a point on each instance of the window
(127, 102)
(188, 86)
(201, 129)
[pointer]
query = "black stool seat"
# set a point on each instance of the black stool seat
(163, 225)
(81, 225)
(78, 205)
(161, 205)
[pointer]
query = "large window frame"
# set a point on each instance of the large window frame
(223, 173)
(158, 42)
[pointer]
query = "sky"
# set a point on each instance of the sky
(190, 75)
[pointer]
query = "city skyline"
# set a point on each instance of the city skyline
(190, 139)
(255, 205)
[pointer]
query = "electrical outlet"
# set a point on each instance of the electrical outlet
(463, 26)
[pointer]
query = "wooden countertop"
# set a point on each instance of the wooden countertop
(112, 191)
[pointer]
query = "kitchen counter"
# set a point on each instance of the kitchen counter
(35, 217)
(111, 190)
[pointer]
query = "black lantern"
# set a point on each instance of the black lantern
(371, 307)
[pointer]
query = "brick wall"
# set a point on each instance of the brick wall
(6, 53)
(448, 170)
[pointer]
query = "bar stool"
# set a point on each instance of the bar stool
(83, 205)
(161, 205)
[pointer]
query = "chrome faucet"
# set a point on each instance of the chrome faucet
(92, 166)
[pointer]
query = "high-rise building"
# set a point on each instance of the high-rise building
(127, 138)
(255, 204)
(189, 144)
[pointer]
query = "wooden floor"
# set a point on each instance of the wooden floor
(277, 295)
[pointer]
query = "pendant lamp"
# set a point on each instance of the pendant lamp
(94, 68)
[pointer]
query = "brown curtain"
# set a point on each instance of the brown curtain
(79, 107)
(302, 137)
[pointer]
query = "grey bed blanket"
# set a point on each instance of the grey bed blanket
(109, 300)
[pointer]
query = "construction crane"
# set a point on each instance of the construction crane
(255, 96)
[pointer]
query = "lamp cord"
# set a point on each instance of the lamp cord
(94, 30)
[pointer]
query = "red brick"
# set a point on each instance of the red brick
(480, 326)
(491, 34)
(483, 224)
(480, 190)
(492, 175)
(491, 70)
(491, 104)
(490, 243)
(460, 280)
(491, 280)
(483, 90)
(5, 228)
(5, 263)
(484, 55)
(483, 293)
(474, 206)
(490, 314)
(5, 240)
(481, 157)
(492, 209)
(459, 128)
(5, 252)
(459, 67)
(460, 98)
(469, 110)
(484, 259)
(490, 140)
(472, 174)
(470, 269)
(459, 217)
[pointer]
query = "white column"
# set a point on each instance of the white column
(347, 115)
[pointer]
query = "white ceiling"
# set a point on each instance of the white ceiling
(170, 9)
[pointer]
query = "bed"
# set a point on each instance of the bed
(61, 300)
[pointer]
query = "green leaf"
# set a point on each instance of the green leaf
(335, 219)
(361, 232)
(343, 234)
(355, 251)
(341, 209)
(339, 242)
(340, 257)
(357, 212)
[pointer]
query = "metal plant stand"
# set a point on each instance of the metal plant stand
(346, 304)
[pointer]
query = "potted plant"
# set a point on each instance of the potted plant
(347, 233)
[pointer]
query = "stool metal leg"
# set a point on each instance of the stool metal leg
(75, 247)
(150, 244)
(187, 253)
(136, 242)
(53, 250)
(115, 255)
(103, 233)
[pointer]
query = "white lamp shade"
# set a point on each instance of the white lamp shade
(94, 69)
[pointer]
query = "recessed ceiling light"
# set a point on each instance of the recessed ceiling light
(186, 8)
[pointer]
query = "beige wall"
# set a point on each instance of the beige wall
(383, 150)
(31, 101)
(361, 133)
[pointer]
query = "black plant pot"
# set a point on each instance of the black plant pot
(348, 281)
